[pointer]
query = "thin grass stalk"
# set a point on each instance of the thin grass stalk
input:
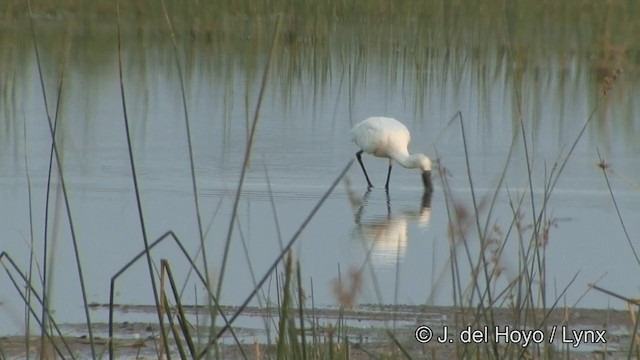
(135, 183)
(618, 296)
(584, 293)
(553, 306)
(457, 293)
(330, 332)
(284, 310)
(251, 272)
(498, 186)
(400, 347)
(483, 246)
(450, 206)
(500, 251)
(27, 339)
(112, 290)
(280, 242)
(169, 312)
(347, 348)
(634, 343)
(548, 190)
(268, 319)
(45, 284)
(604, 168)
(548, 311)
(536, 228)
(33, 291)
(206, 233)
(341, 329)
(194, 184)
(46, 214)
(530, 261)
(245, 165)
(453, 253)
(197, 315)
(30, 309)
(521, 299)
(245, 249)
(273, 205)
(538, 262)
(164, 337)
(571, 149)
(61, 175)
(449, 201)
(173, 328)
(282, 254)
(295, 349)
(538, 220)
(314, 319)
(519, 110)
(278, 295)
(301, 310)
(182, 319)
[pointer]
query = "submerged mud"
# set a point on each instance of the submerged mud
(362, 331)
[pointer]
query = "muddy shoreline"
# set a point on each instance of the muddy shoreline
(368, 329)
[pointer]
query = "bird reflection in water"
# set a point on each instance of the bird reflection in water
(386, 237)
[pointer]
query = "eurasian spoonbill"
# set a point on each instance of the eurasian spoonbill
(387, 137)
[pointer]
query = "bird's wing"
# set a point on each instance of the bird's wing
(367, 137)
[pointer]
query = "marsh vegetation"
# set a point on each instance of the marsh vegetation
(176, 173)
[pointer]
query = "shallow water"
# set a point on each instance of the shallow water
(399, 241)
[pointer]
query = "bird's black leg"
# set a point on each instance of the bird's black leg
(388, 205)
(359, 156)
(386, 186)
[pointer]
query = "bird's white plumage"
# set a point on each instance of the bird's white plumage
(387, 137)
(382, 137)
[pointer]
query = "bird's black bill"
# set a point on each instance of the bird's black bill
(426, 180)
(426, 199)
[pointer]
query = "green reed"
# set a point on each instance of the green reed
(418, 44)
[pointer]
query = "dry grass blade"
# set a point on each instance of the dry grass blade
(604, 166)
(284, 309)
(611, 293)
(32, 255)
(247, 156)
(40, 300)
(634, 318)
(182, 319)
(194, 184)
(281, 256)
(135, 184)
(301, 310)
(245, 166)
(399, 345)
(169, 235)
(65, 193)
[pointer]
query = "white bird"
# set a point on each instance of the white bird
(387, 137)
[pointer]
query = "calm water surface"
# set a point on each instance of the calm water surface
(400, 241)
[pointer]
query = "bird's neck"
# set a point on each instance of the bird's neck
(406, 160)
